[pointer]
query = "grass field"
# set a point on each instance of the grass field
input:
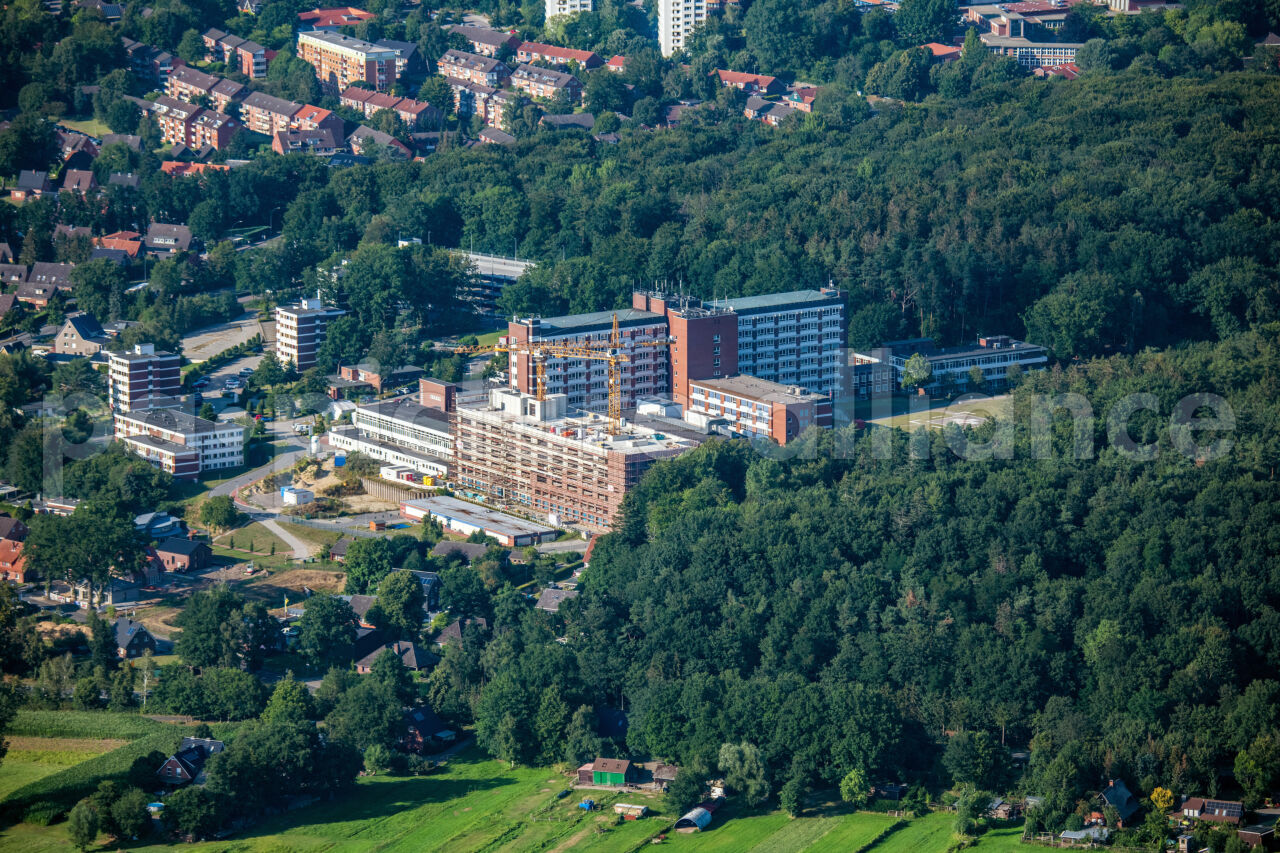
(32, 758)
(90, 126)
(929, 834)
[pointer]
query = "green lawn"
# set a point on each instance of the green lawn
(929, 834)
(1003, 840)
(89, 126)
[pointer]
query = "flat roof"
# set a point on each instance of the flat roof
(176, 420)
(406, 409)
(775, 301)
(571, 324)
(754, 388)
(479, 516)
(494, 266)
(160, 444)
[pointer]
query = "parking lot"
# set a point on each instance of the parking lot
(217, 379)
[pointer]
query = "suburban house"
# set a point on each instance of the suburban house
(338, 550)
(132, 638)
(413, 656)
(1213, 811)
(424, 728)
(81, 334)
(30, 185)
(165, 239)
(549, 599)
(453, 632)
(617, 64)
(769, 112)
(533, 52)
(473, 68)
(187, 764)
(469, 551)
(158, 526)
(494, 136)
(79, 181)
(184, 555)
(1118, 796)
(539, 82)
(320, 142)
(13, 273)
(752, 84)
(430, 590)
(484, 41)
(365, 140)
(360, 605)
(13, 534)
(568, 121)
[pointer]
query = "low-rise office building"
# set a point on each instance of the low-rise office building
(468, 518)
(400, 432)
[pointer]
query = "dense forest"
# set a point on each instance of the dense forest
(918, 617)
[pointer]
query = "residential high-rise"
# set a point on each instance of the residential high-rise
(143, 379)
(568, 7)
(341, 60)
(300, 331)
(676, 19)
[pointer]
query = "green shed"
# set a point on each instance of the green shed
(610, 771)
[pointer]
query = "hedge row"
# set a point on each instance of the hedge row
(85, 724)
(217, 360)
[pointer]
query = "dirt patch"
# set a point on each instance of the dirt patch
(50, 631)
(65, 744)
(573, 840)
(296, 579)
(159, 621)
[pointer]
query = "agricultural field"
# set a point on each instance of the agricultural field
(929, 834)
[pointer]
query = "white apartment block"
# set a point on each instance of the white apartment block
(300, 331)
(182, 444)
(568, 7)
(676, 19)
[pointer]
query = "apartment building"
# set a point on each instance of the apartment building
(521, 451)
(568, 7)
(757, 408)
(300, 331)
(676, 19)
(267, 114)
(333, 19)
(409, 61)
(481, 100)
(149, 63)
(538, 82)
(400, 432)
(585, 382)
(994, 355)
(187, 84)
(341, 60)
(531, 51)
(180, 443)
(484, 41)
(314, 118)
(240, 54)
(143, 378)
(413, 113)
(473, 68)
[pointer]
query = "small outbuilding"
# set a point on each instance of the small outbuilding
(610, 771)
(694, 820)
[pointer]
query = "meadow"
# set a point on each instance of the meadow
(471, 803)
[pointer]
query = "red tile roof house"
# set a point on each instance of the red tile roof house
(13, 566)
(363, 136)
(531, 51)
(617, 64)
(752, 84)
(413, 656)
(314, 118)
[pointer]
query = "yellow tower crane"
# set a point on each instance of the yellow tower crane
(539, 351)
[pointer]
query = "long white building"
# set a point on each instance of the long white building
(182, 444)
(399, 432)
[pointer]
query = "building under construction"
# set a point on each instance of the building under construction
(518, 450)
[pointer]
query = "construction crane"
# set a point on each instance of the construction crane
(609, 352)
